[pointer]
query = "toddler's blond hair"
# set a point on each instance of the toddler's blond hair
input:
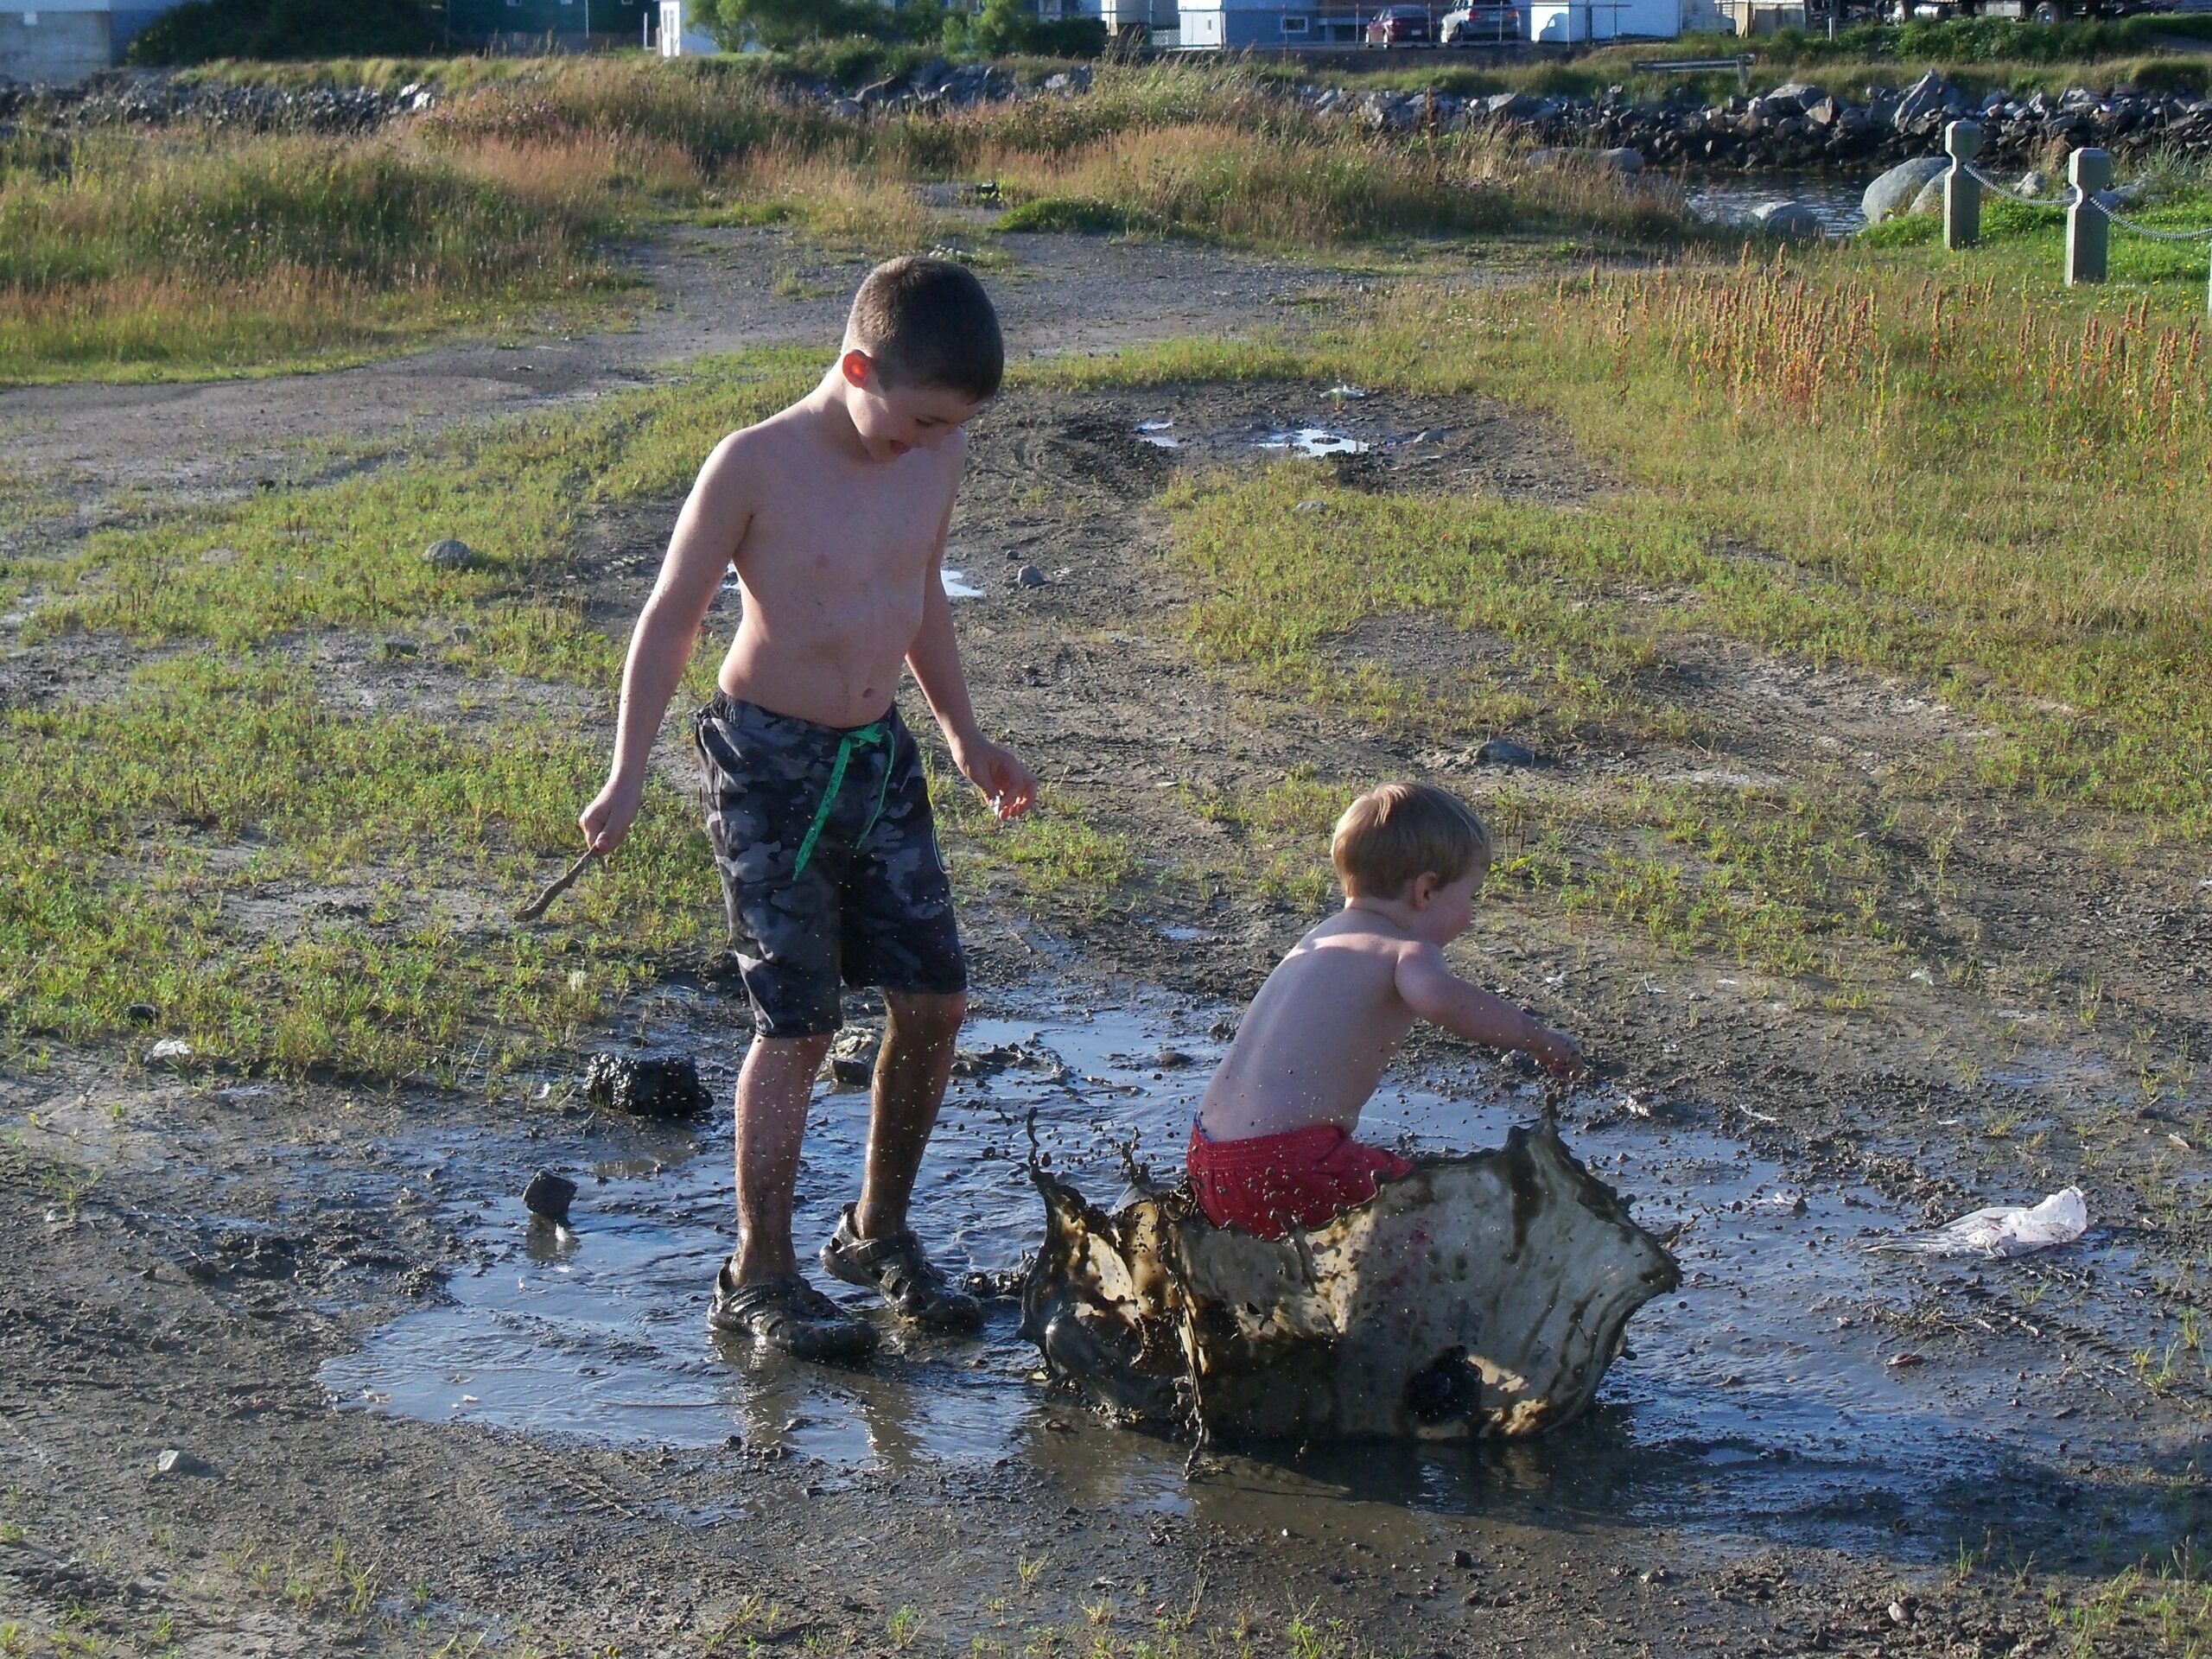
(1397, 832)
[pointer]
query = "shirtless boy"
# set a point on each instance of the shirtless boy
(833, 513)
(1272, 1145)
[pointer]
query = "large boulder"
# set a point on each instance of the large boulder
(1928, 201)
(1891, 195)
(1793, 221)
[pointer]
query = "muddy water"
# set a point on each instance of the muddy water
(1311, 441)
(1731, 198)
(1760, 1399)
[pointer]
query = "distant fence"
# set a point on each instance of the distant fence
(2089, 219)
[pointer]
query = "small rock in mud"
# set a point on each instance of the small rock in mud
(141, 1014)
(451, 554)
(850, 1063)
(663, 1086)
(175, 1463)
(1002, 1287)
(1029, 576)
(548, 1196)
(1172, 1059)
(1503, 751)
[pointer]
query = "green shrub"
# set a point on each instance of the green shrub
(1078, 213)
(201, 31)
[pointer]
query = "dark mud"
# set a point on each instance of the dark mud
(335, 1297)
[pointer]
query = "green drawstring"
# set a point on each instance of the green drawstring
(859, 738)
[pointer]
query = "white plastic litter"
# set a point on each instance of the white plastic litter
(2003, 1232)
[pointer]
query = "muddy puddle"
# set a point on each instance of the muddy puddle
(1762, 1398)
(1261, 441)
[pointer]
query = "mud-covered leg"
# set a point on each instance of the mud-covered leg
(872, 1245)
(771, 1096)
(912, 1069)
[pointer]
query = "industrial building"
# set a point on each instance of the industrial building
(68, 40)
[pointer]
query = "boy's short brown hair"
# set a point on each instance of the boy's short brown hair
(1396, 832)
(927, 322)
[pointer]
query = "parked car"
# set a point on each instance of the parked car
(1485, 21)
(1399, 26)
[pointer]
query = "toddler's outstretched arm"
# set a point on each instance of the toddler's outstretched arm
(1441, 997)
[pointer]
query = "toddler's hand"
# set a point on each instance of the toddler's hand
(1555, 1051)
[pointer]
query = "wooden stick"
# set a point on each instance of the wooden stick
(537, 906)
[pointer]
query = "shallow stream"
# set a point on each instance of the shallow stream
(1760, 1397)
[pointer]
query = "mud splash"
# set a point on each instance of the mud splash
(1756, 1401)
(1483, 1295)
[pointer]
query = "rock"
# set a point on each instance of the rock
(1623, 161)
(1501, 752)
(169, 1051)
(451, 554)
(1798, 94)
(650, 1087)
(850, 1063)
(180, 1464)
(1891, 194)
(1929, 200)
(1510, 107)
(1931, 95)
(548, 1196)
(1172, 1059)
(2032, 184)
(1791, 220)
(1311, 506)
(141, 1013)
(1029, 576)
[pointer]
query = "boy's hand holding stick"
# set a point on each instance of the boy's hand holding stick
(560, 884)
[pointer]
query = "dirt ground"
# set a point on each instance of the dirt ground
(233, 1242)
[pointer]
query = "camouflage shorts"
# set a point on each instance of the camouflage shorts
(829, 862)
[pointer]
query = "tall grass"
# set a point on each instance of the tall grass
(119, 249)
(180, 251)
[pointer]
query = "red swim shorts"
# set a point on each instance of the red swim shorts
(1304, 1177)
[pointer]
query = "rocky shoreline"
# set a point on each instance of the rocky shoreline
(1798, 126)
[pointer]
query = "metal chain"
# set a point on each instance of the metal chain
(1989, 183)
(2145, 230)
(2073, 195)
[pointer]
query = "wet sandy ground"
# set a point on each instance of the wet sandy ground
(332, 1294)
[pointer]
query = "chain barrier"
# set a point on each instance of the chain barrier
(2110, 212)
(1988, 183)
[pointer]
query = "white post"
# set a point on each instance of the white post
(2087, 232)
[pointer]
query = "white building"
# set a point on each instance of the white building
(1569, 21)
(68, 40)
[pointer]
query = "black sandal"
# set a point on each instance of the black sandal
(789, 1315)
(895, 1266)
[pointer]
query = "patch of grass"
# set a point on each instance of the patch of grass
(144, 845)
(1996, 489)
